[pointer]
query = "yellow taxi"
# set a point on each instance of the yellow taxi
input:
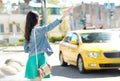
(91, 49)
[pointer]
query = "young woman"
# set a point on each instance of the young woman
(42, 43)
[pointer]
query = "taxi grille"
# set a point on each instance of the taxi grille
(112, 54)
(110, 65)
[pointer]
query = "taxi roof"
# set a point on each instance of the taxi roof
(91, 31)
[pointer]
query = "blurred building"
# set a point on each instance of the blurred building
(117, 17)
(12, 24)
(11, 27)
(90, 15)
(95, 15)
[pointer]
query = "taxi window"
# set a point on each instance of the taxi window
(74, 37)
(68, 37)
(100, 37)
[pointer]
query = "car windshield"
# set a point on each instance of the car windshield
(100, 37)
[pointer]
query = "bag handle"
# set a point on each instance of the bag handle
(36, 48)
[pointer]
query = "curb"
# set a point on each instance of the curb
(13, 50)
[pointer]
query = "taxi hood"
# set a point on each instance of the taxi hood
(101, 47)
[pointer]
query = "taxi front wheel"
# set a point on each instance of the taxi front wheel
(80, 65)
(62, 62)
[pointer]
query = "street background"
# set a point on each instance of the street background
(99, 14)
(59, 73)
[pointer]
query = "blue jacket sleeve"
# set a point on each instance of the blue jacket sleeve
(51, 25)
(26, 47)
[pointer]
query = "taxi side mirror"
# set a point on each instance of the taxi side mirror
(73, 42)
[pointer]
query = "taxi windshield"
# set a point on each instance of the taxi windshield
(100, 37)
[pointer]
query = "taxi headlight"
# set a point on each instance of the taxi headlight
(93, 54)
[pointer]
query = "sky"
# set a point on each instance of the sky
(73, 2)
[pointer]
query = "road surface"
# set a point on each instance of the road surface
(69, 73)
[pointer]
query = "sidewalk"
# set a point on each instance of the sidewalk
(15, 53)
(12, 49)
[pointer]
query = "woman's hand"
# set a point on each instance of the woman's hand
(67, 12)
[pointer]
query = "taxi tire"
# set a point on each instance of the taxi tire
(80, 65)
(61, 59)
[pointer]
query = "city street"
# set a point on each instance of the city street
(59, 73)
(91, 31)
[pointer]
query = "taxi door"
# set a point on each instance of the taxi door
(65, 47)
(73, 49)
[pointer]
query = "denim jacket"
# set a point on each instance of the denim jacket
(42, 42)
